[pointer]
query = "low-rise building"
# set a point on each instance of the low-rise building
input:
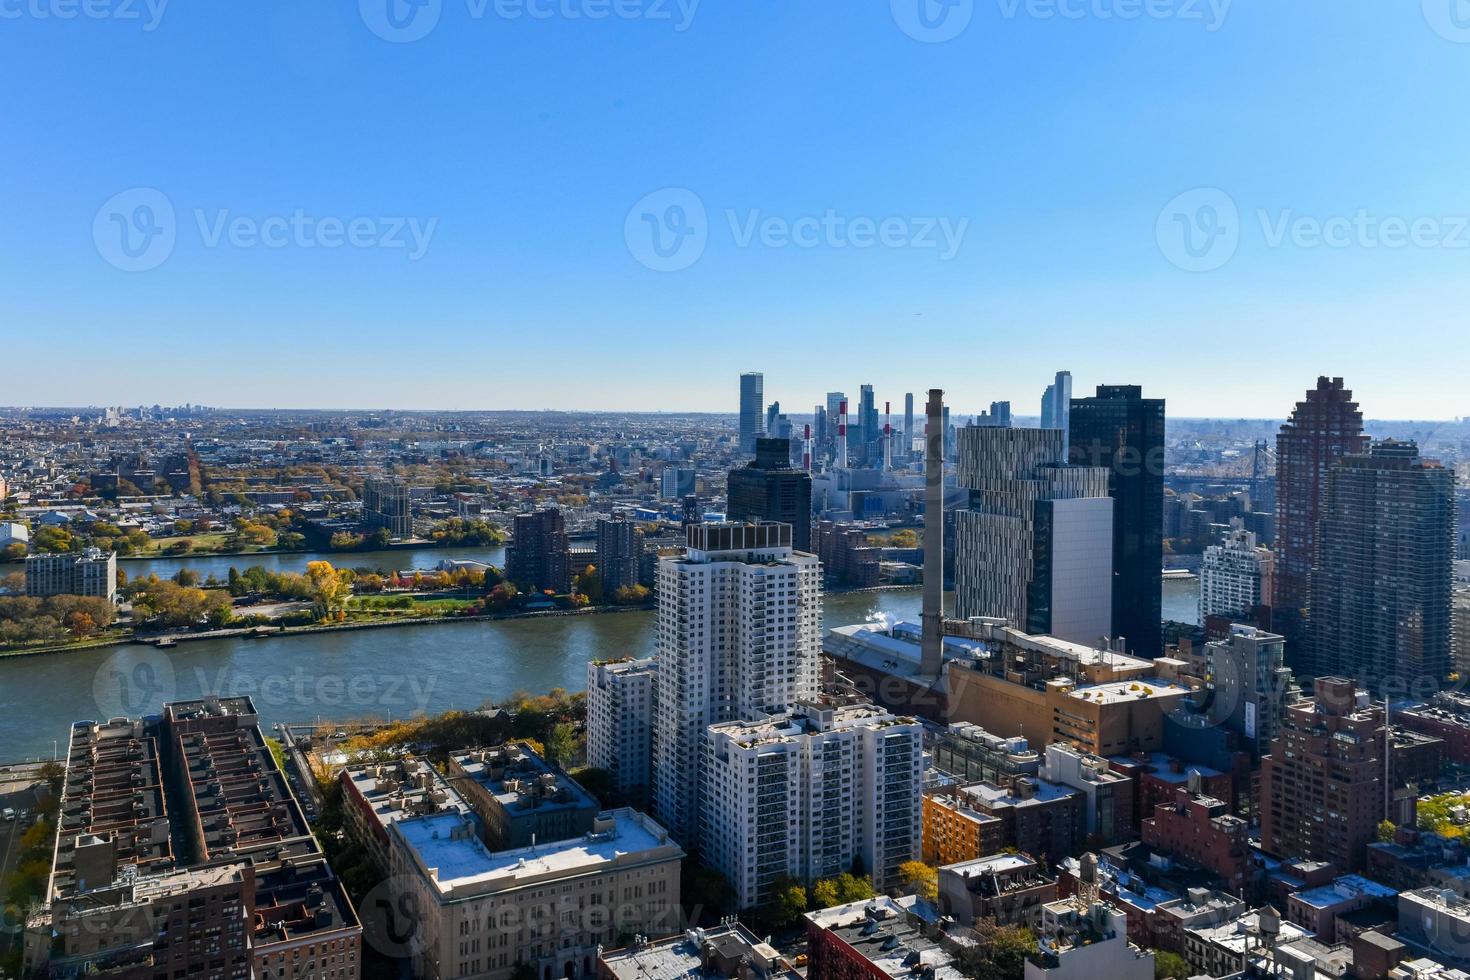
(1318, 910)
(1107, 795)
(1103, 700)
(1201, 830)
(1032, 815)
(954, 831)
(1084, 941)
(1009, 888)
(877, 939)
(90, 573)
(1431, 919)
(728, 951)
(971, 754)
(1226, 949)
(1198, 908)
(375, 795)
(549, 906)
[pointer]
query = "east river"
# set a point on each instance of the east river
(391, 672)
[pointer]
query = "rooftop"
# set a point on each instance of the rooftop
(1344, 889)
(703, 953)
(447, 849)
(884, 933)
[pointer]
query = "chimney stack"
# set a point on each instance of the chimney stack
(932, 618)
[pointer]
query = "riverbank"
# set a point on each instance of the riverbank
(167, 640)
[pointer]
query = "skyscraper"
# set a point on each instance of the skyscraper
(867, 427)
(752, 403)
(739, 638)
(1324, 427)
(999, 417)
(771, 489)
(908, 425)
(1381, 587)
(1123, 431)
(1056, 404)
(1035, 542)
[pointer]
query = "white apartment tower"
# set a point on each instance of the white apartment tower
(1235, 577)
(809, 793)
(620, 699)
(739, 639)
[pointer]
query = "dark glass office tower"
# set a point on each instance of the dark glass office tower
(752, 404)
(1381, 585)
(1121, 430)
(771, 489)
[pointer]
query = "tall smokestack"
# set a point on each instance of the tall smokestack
(806, 450)
(932, 618)
(842, 435)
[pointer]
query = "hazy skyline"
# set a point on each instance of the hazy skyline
(312, 207)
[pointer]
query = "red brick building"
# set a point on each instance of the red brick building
(1322, 791)
(1201, 830)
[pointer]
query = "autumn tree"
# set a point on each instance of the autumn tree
(80, 624)
(329, 587)
(920, 877)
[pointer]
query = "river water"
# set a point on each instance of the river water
(373, 673)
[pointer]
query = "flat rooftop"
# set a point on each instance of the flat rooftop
(446, 845)
(1118, 692)
(515, 775)
(887, 936)
(684, 956)
(112, 790)
(1344, 889)
(403, 790)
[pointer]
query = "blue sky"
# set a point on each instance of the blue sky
(502, 177)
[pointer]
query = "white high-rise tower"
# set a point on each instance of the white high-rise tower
(739, 639)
